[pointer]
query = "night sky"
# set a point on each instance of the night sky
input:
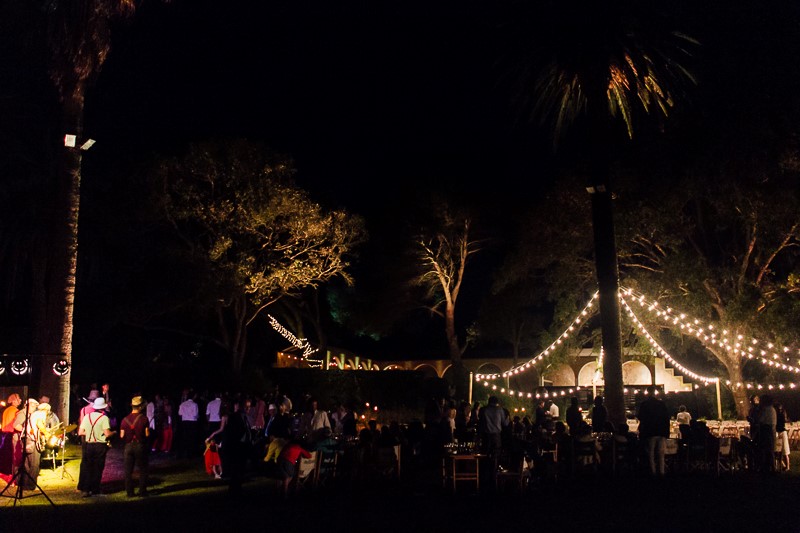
(381, 104)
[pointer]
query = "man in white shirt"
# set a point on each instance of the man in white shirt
(188, 411)
(554, 412)
(212, 413)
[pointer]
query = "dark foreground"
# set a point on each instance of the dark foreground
(185, 499)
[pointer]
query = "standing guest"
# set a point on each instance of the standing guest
(167, 432)
(7, 437)
(574, 416)
(461, 432)
(313, 419)
(105, 392)
(474, 415)
(683, 416)
(35, 433)
(783, 435)
(600, 415)
(134, 431)
(767, 420)
(348, 419)
(52, 420)
(653, 418)
(89, 407)
(212, 413)
(279, 433)
(187, 439)
(258, 413)
(493, 420)
(542, 415)
(235, 448)
(96, 430)
(553, 410)
(26, 452)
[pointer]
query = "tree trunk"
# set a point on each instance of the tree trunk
(460, 378)
(733, 364)
(53, 335)
(608, 283)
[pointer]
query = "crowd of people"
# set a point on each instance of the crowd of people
(236, 432)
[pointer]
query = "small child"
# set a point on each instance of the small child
(288, 458)
(212, 460)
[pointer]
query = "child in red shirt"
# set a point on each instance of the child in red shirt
(287, 460)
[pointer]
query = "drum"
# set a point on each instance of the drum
(55, 442)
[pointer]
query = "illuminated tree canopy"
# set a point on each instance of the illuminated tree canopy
(261, 238)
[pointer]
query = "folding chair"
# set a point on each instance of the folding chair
(305, 471)
(327, 463)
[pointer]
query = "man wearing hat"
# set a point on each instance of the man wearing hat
(95, 429)
(28, 459)
(134, 431)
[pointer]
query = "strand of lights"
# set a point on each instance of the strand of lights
(547, 393)
(577, 323)
(302, 344)
(661, 350)
(706, 334)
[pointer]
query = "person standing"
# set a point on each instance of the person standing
(600, 415)
(28, 423)
(654, 421)
(234, 450)
(493, 420)
(554, 411)
(782, 435)
(574, 416)
(188, 412)
(767, 420)
(134, 432)
(96, 430)
(213, 416)
(7, 436)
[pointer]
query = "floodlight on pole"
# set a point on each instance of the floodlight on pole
(88, 144)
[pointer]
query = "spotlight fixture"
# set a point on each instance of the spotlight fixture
(20, 367)
(61, 367)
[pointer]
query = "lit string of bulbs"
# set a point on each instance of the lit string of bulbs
(302, 344)
(576, 323)
(706, 334)
(547, 393)
(657, 347)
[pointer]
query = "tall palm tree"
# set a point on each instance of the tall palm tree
(587, 63)
(79, 40)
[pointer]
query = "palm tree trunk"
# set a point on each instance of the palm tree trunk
(53, 334)
(608, 283)
(605, 256)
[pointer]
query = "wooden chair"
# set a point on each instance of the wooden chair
(326, 469)
(513, 469)
(725, 456)
(585, 457)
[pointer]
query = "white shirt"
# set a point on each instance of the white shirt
(212, 410)
(554, 411)
(188, 411)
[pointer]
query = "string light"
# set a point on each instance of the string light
(302, 344)
(707, 334)
(657, 347)
(577, 322)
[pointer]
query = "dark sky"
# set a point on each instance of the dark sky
(382, 102)
(372, 99)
